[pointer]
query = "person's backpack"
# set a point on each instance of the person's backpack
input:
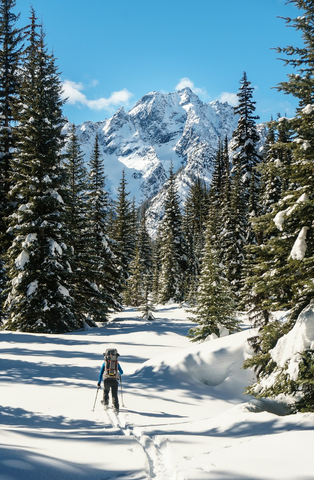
(111, 363)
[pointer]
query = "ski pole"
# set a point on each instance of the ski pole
(121, 391)
(95, 399)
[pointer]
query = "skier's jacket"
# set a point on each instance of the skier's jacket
(103, 370)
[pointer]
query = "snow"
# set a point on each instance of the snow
(300, 246)
(300, 338)
(64, 291)
(185, 415)
(30, 238)
(55, 247)
(280, 216)
(306, 145)
(21, 260)
(47, 179)
(32, 287)
(308, 109)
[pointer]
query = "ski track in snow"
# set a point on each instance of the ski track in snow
(159, 463)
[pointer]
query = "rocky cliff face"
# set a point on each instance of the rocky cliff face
(160, 129)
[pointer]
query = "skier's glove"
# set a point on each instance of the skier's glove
(98, 384)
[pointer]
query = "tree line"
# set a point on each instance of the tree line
(69, 255)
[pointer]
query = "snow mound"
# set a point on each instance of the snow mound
(215, 363)
(289, 347)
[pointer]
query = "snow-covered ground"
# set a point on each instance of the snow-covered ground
(184, 415)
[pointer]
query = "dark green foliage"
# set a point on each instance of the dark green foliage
(286, 258)
(10, 54)
(102, 269)
(134, 292)
(234, 234)
(139, 282)
(144, 246)
(194, 224)
(262, 363)
(305, 383)
(156, 268)
(123, 229)
(172, 247)
(215, 302)
(84, 236)
(238, 190)
(246, 156)
(39, 259)
(147, 308)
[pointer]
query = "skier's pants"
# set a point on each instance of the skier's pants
(113, 384)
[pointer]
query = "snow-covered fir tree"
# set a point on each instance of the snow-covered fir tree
(215, 309)
(246, 156)
(217, 199)
(144, 246)
(139, 282)
(10, 54)
(147, 307)
(260, 281)
(135, 287)
(156, 268)
(85, 292)
(194, 225)
(39, 268)
(103, 270)
(233, 236)
(244, 189)
(292, 250)
(123, 228)
(172, 247)
(270, 189)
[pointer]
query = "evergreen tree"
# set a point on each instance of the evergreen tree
(194, 223)
(172, 247)
(123, 229)
(217, 199)
(144, 246)
(246, 156)
(10, 54)
(39, 298)
(135, 287)
(291, 251)
(215, 307)
(231, 214)
(147, 308)
(156, 269)
(233, 237)
(102, 271)
(85, 292)
(270, 173)
(260, 281)
(226, 181)
(217, 183)
(139, 282)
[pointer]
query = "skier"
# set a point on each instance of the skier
(112, 370)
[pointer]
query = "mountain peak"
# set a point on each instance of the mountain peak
(160, 129)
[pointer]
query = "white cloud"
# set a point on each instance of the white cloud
(229, 97)
(72, 91)
(186, 82)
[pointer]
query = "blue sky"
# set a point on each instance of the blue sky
(112, 52)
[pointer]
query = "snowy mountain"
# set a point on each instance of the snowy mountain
(160, 129)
